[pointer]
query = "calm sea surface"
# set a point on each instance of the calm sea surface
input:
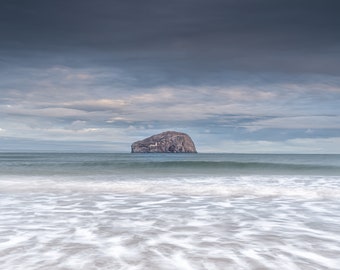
(169, 211)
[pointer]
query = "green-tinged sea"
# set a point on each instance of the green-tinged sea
(169, 211)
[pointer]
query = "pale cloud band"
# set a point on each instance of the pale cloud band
(59, 104)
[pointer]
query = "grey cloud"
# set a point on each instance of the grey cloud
(239, 106)
(176, 39)
(298, 122)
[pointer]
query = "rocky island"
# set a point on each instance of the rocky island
(166, 142)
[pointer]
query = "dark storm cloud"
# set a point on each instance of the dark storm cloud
(176, 36)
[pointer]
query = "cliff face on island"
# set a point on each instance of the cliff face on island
(166, 142)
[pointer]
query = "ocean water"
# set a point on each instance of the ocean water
(169, 211)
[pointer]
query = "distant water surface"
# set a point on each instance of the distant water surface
(169, 211)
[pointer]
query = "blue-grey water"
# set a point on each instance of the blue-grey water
(169, 211)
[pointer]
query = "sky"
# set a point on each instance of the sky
(238, 76)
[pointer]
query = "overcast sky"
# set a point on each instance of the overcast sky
(236, 75)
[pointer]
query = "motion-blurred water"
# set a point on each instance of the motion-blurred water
(175, 211)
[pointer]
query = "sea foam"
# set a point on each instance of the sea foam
(258, 186)
(166, 231)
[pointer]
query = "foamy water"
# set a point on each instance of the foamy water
(166, 219)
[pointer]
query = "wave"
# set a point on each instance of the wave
(217, 165)
(205, 167)
(63, 164)
(257, 186)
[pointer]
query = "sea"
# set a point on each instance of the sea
(108, 211)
